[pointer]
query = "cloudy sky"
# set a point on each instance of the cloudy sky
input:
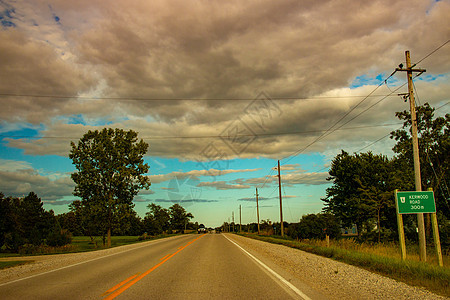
(220, 90)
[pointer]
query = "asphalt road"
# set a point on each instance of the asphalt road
(209, 266)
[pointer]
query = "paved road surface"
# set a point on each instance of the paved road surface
(189, 267)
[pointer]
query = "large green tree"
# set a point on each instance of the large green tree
(110, 173)
(362, 191)
(157, 219)
(179, 217)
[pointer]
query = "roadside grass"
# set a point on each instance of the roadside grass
(84, 243)
(10, 264)
(80, 244)
(383, 259)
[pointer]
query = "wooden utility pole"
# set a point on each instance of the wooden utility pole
(281, 202)
(240, 218)
(257, 209)
(232, 217)
(418, 182)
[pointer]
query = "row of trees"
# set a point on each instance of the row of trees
(25, 223)
(158, 219)
(311, 226)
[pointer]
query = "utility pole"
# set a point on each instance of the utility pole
(240, 218)
(418, 182)
(232, 217)
(257, 208)
(281, 204)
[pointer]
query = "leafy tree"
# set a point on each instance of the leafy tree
(110, 173)
(343, 198)
(8, 220)
(58, 236)
(157, 220)
(362, 191)
(134, 225)
(35, 222)
(71, 222)
(84, 220)
(179, 217)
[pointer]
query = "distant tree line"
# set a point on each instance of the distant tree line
(25, 224)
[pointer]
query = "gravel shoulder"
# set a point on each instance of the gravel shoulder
(46, 263)
(326, 278)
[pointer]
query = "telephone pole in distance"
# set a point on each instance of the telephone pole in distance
(281, 204)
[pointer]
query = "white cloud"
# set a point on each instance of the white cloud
(13, 165)
(195, 174)
(20, 182)
(222, 185)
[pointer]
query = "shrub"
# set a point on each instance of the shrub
(59, 237)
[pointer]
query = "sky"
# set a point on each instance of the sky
(220, 90)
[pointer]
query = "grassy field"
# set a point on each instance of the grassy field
(383, 259)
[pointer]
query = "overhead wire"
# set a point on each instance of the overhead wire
(130, 98)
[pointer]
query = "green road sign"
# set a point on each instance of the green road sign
(415, 202)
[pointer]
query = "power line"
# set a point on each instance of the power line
(294, 154)
(130, 98)
(204, 136)
(432, 52)
(376, 141)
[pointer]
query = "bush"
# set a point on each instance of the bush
(143, 237)
(59, 237)
(315, 226)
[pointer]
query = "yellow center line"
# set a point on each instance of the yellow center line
(164, 257)
(131, 282)
(119, 285)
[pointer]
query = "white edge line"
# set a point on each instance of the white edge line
(290, 285)
(80, 263)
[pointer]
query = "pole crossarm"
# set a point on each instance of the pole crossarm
(411, 70)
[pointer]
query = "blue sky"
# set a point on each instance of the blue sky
(219, 100)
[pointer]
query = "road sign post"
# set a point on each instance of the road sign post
(401, 231)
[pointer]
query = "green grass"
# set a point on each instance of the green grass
(10, 264)
(84, 243)
(429, 276)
